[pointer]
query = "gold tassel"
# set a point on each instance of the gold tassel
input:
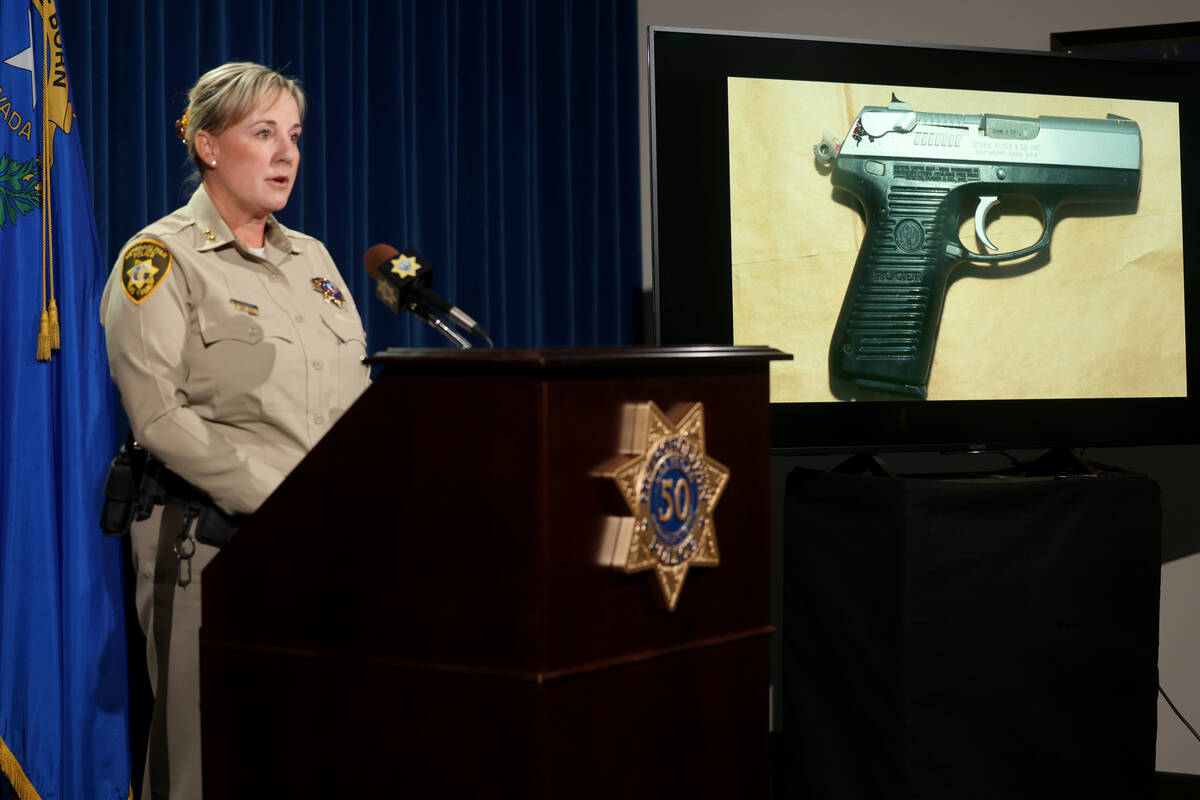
(55, 339)
(43, 350)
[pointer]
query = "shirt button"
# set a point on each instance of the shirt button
(318, 420)
(300, 318)
(318, 364)
(273, 278)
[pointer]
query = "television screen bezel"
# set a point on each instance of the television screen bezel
(1172, 41)
(689, 163)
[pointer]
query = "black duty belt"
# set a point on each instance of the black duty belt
(137, 482)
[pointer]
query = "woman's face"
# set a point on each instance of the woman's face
(257, 158)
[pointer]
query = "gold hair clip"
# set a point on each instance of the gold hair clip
(181, 126)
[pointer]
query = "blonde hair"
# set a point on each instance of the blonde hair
(228, 93)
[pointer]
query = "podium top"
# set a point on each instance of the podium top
(446, 360)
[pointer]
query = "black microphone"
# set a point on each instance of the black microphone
(404, 280)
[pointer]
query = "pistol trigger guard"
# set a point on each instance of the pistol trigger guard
(1049, 209)
(986, 204)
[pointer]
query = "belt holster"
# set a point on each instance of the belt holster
(137, 481)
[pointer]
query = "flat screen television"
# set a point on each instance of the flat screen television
(962, 249)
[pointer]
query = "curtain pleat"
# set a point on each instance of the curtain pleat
(498, 138)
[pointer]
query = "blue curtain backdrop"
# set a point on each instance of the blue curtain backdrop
(497, 137)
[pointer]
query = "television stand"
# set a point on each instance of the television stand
(1058, 462)
(974, 635)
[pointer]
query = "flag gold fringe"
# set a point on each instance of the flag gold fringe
(16, 776)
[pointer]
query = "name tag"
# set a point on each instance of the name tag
(249, 308)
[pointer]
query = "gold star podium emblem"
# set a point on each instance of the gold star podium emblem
(671, 487)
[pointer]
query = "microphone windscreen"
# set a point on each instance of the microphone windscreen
(378, 255)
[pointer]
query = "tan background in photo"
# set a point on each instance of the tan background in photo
(1103, 317)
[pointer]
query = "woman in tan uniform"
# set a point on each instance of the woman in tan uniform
(235, 345)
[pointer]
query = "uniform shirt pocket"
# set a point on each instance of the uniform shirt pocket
(351, 350)
(243, 365)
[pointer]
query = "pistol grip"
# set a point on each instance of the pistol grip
(887, 329)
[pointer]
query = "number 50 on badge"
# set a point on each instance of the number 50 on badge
(671, 487)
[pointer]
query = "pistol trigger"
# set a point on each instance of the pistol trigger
(981, 212)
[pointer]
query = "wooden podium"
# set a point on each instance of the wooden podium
(427, 606)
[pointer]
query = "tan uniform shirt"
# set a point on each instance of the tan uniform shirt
(230, 366)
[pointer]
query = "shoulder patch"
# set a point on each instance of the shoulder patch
(143, 267)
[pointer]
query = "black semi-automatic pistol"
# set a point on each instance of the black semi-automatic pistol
(912, 171)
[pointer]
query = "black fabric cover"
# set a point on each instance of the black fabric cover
(990, 638)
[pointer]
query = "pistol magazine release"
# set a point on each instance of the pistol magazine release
(912, 171)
